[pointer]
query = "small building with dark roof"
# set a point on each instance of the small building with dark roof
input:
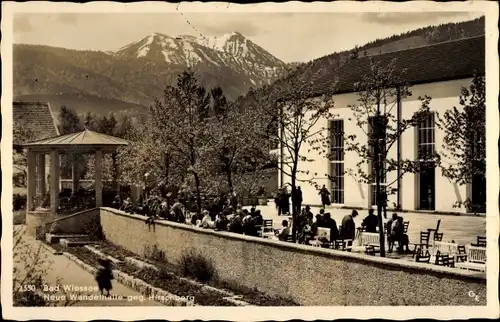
(36, 117)
(439, 71)
(32, 121)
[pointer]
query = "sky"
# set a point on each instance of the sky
(290, 36)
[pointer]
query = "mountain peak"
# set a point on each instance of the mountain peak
(191, 50)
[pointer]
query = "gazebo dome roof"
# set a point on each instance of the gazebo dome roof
(85, 139)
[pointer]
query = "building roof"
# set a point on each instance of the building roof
(82, 139)
(35, 116)
(450, 60)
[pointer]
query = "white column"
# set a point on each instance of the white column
(54, 181)
(31, 180)
(98, 178)
(116, 174)
(41, 176)
(75, 174)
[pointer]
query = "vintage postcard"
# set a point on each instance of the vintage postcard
(268, 161)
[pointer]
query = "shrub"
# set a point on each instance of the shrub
(93, 228)
(19, 201)
(154, 253)
(197, 266)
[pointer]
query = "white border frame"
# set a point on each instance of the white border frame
(490, 9)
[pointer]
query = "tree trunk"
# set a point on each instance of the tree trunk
(198, 194)
(294, 215)
(167, 173)
(229, 176)
(377, 180)
(398, 113)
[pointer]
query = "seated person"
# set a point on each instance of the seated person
(370, 222)
(257, 219)
(126, 205)
(236, 224)
(207, 222)
(308, 215)
(397, 231)
(330, 223)
(307, 234)
(178, 216)
(221, 221)
(117, 202)
(391, 238)
(284, 231)
(248, 227)
(195, 218)
(321, 216)
(316, 224)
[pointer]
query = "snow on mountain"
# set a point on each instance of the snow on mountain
(232, 51)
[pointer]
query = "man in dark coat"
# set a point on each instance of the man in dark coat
(297, 200)
(325, 196)
(330, 223)
(285, 201)
(370, 222)
(348, 230)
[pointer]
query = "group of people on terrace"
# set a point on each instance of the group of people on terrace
(223, 216)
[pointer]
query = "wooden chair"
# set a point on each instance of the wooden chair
(267, 228)
(422, 257)
(462, 254)
(438, 236)
(424, 241)
(370, 250)
(289, 239)
(406, 224)
(444, 260)
(342, 244)
(481, 242)
(338, 244)
(435, 230)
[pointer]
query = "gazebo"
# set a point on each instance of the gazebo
(83, 142)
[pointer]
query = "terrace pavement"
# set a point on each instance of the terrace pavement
(461, 229)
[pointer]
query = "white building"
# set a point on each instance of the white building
(439, 71)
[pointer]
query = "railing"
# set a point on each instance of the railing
(477, 254)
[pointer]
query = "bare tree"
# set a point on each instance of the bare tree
(377, 113)
(464, 144)
(234, 147)
(31, 265)
(181, 118)
(300, 119)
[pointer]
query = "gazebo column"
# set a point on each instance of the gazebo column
(31, 180)
(40, 171)
(54, 181)
(116, 174)
(98, 178)
(75, 174)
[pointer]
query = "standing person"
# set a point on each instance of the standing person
(104, 276)
(325, 196)
(348, 230)
(370, 222)
(285, 201)
(277, 200)
(234, 200)
(297, 200)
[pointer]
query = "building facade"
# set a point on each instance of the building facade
(427, 190)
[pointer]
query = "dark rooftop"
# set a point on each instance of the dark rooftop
(36, 116)
(450, 60)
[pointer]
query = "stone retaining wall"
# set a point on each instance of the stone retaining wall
(309, 276)
(39, 222)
